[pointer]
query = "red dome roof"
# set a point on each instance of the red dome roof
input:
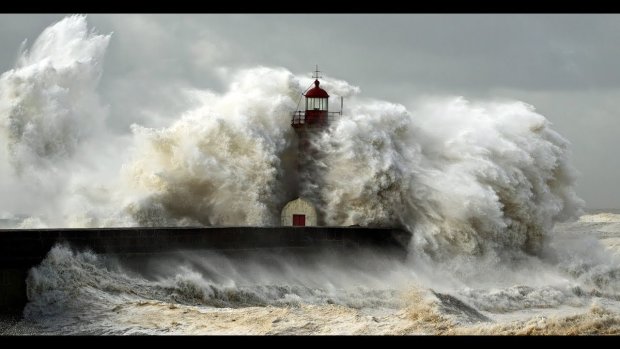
(316, 91)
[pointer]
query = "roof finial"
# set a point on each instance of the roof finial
(317, 71)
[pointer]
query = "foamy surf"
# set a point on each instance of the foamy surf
(75, 292)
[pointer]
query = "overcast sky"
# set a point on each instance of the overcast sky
(567, 66)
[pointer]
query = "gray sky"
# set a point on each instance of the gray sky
(564, 65)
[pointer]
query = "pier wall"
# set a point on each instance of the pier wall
(22, 249)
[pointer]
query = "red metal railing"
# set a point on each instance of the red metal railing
(299, 118)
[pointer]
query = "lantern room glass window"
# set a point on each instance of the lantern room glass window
(316, 104)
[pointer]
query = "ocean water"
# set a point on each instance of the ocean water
(74, 292)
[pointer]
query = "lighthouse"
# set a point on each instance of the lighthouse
(308, 124)
(316, 114)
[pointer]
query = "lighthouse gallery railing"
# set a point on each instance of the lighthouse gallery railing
(299, 117)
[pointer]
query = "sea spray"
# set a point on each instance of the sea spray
(465, 178)
(220, 164)
(50, 111)
(48, 102)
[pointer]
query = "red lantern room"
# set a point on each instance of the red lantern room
(316, 105)
(316, 113)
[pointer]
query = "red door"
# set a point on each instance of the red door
(299, 220)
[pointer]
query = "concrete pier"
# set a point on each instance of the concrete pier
(22, 249)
